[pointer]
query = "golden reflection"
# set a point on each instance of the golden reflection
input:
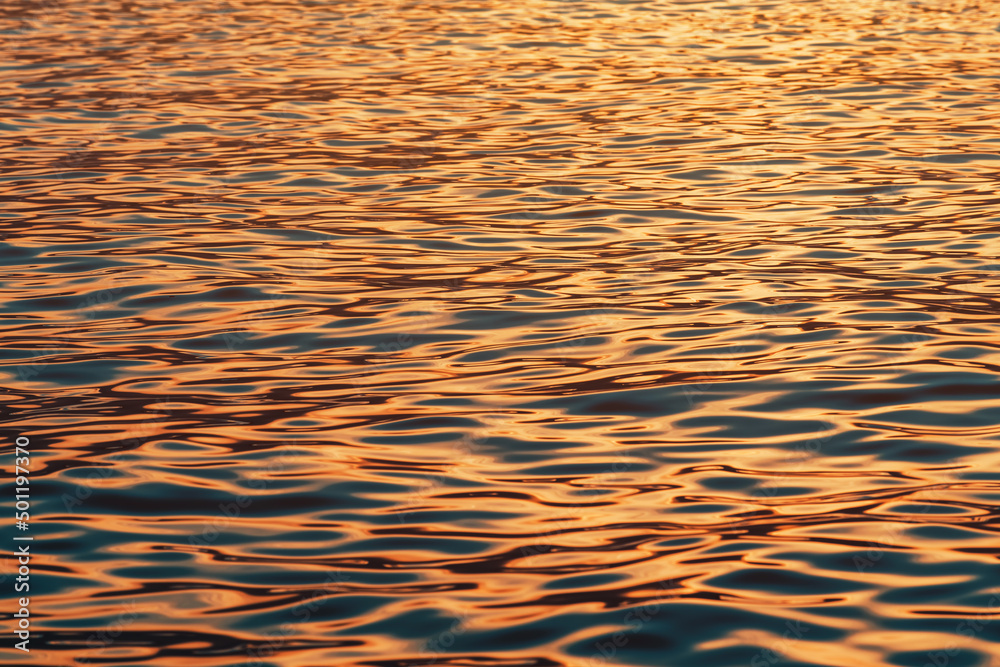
(558, 334)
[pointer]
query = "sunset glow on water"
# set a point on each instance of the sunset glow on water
(483, 334)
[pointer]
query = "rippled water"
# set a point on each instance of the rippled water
(549, 333)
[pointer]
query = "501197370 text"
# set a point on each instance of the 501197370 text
(22, 583)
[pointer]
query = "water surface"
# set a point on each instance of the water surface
(535, 334)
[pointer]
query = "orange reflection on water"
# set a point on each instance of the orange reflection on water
(564, 334)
